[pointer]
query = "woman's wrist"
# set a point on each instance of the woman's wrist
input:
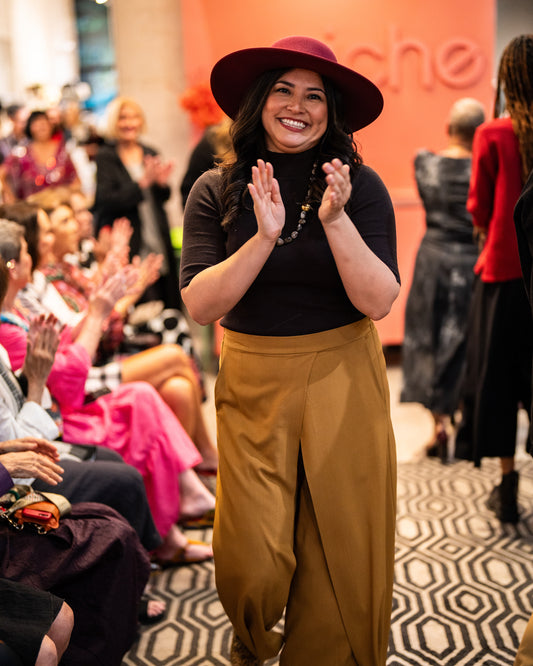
(35, 390)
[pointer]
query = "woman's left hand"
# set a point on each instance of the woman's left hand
(37, 444)
(337, 193)
(163, 171)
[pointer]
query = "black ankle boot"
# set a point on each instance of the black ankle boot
(503, 499)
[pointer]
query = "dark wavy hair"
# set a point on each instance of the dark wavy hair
(248, 139)
(34, 115)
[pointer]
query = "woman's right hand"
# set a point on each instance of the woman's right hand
(268, 204)
(42, 343)
(112, 289)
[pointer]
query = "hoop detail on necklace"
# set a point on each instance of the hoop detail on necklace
(304, 209)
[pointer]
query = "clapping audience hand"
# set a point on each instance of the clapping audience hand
(121, 233)
(114, 287)
(149, 270)
(164, 169)
(43, 340)
(113, 243)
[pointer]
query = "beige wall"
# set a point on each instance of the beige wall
(148, 46)
(38, 44)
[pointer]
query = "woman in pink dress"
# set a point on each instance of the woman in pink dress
(61, 288)
(133, 420)
(43, 162)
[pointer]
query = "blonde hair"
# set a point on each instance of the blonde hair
(51, 198)
(113, 112)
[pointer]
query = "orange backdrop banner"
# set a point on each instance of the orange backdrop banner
(423, 56)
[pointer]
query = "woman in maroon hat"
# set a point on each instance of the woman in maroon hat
(292, 244)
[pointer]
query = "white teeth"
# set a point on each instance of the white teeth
(297, 124)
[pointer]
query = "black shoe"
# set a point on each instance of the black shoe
(439, 448)
(503, 499)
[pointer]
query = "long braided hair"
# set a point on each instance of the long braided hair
(515, 93)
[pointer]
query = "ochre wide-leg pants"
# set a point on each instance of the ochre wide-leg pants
(306, 495)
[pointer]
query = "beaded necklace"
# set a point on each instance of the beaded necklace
(305, 208)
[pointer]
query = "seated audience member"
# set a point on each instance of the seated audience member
(42, 163)
(103, 476)
(93, 560)
(147, 324)
(168, 368)
(17, 115)
(131, 420)
(34, 624)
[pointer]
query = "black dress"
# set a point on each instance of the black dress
(439, 299)
(26, 615)
(118, 195)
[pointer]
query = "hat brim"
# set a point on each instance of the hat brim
(233, 75)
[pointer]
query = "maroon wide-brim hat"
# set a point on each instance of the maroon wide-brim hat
(233, 75)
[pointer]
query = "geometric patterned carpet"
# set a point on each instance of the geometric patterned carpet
(463, 582)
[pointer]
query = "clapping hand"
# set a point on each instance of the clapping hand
(112, 289)
(149, 270)
(268, 205)
(155, 171)
(337, 192)
(42, 343)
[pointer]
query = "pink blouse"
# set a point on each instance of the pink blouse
(25, 176)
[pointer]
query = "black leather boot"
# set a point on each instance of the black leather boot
(503, 499)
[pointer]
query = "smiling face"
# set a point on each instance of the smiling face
(83, 215)
(41, 128)
(65, 230)
(295, 115)
(45, 243)
(21, 273)
(129, 123)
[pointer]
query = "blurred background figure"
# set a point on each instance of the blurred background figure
(439, 299)
(212, 126)
(500, 338)
(132, 182)
(211, 150)
(43, 162)
(17, 116)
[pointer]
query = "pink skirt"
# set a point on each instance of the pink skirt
(134, 421)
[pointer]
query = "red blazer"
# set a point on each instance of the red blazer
(495, 186)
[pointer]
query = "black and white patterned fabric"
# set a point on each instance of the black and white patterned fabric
(463, 590)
